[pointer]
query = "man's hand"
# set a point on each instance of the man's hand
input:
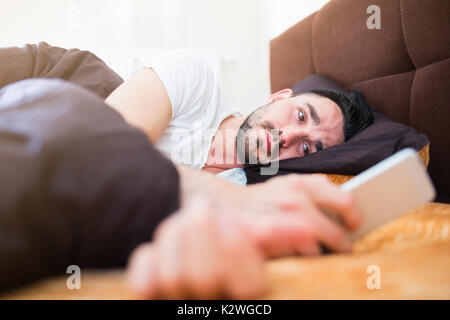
(300, 199)
(208, 251)
(301, 196)
(199, 252)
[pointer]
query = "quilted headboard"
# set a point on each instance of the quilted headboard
(403, 67)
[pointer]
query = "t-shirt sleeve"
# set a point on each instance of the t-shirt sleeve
(188, 78)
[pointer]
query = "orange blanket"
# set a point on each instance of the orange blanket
(409, 257)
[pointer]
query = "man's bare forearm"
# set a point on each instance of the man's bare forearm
(193, 182)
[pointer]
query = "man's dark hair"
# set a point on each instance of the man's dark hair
(355, 109)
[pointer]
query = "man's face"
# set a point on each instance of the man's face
(290, 127)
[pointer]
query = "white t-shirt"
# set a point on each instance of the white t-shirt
(199, 105)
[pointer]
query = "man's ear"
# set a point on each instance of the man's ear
(282, 94)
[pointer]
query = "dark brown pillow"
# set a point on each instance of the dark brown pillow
(381, 139)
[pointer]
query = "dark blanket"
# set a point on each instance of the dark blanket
(79, 186)
(44, 61)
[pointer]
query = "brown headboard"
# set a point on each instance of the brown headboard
(403, 67)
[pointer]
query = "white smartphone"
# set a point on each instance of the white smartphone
(390, 189)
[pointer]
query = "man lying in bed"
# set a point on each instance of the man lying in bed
(83, 187)
(178, 102)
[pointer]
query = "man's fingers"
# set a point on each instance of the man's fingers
(326, 231)
(323, 229)
(142, 271)
(170, 246)
(202, 263)
(307, 246)
(241, 258)
(330, 197)
(282, 234)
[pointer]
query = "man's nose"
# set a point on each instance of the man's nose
(289, 135)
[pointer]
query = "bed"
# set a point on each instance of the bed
(412, 254)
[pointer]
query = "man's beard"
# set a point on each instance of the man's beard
(249, 148)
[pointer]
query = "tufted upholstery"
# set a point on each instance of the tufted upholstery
(404, 67)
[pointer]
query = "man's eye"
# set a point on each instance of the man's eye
(301, 116)
(305, 149)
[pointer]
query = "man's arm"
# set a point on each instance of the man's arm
(194, 182)
(144, 103)
(173, 85)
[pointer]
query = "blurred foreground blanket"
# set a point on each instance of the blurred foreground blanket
(79, 185)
